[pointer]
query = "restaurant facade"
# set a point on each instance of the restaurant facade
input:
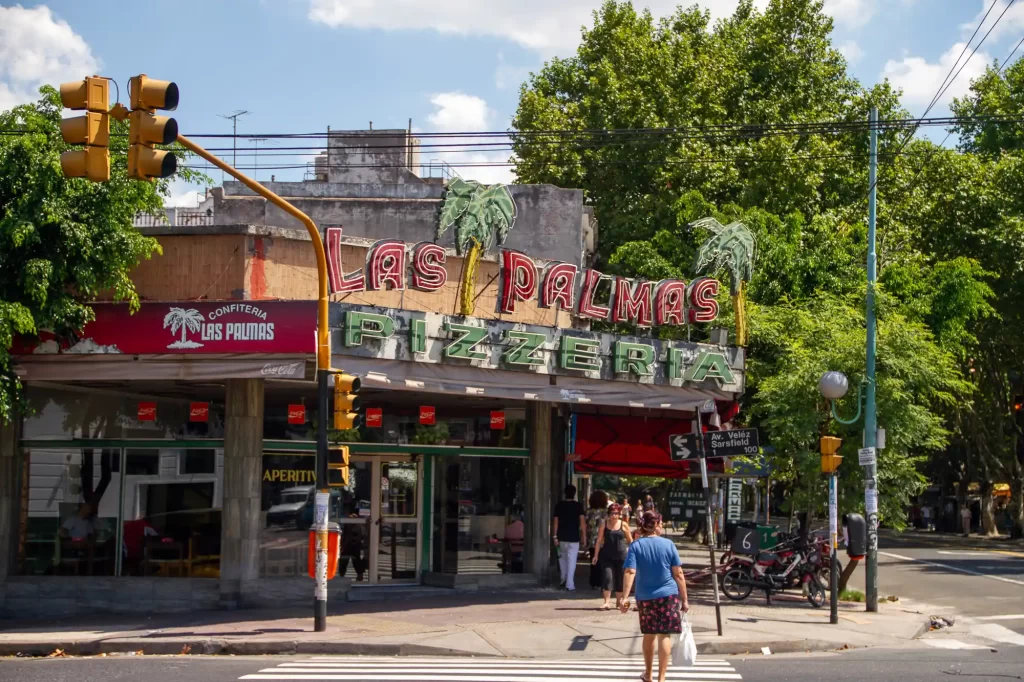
(166, 460)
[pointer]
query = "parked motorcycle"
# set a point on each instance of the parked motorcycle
(775, 572)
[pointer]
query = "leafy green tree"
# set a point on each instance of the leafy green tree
(62, 242)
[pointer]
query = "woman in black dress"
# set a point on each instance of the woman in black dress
(613, 538)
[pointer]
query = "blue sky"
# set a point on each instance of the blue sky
(303, 65)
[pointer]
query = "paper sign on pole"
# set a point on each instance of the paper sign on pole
(871, 500)
(867, 456)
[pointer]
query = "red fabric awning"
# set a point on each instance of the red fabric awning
(631, 446)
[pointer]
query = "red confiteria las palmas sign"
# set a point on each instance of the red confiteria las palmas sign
(193, 327)
(392, 264)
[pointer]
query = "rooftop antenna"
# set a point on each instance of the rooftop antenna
(234, 136)
(256, 141)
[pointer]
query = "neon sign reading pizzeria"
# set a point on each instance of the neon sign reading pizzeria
(392, 264)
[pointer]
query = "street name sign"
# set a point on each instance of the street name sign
(732, 443)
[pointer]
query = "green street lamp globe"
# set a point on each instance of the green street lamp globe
(833, 385)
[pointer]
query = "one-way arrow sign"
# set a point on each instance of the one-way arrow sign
(682, 447)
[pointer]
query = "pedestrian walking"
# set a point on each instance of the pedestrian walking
(596, 516)
(627, 511)
(613, 540)
(569, 531)
(926, 517)
(965, 518)
(653, 563)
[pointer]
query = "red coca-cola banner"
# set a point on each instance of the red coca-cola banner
(498, 420)
(296, 414)
(199, 412)
(374, 417)
(189, 327)
(147, 412)
(428, 415)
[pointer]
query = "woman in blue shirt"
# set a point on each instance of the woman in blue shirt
(653, 562)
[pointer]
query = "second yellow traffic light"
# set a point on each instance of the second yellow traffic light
(346, 402)
(830, 461)
(146, 129)
(337, 466)
(91, 130)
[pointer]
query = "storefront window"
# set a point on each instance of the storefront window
(83, 413)
(117, 511)
(478, 503)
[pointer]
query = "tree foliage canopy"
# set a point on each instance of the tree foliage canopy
(63, 241)
(950, 234)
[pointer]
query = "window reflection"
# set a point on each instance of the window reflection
(478, 515)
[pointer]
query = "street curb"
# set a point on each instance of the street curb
(776, 646)
(208, 646)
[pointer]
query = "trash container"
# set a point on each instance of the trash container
(333, 550)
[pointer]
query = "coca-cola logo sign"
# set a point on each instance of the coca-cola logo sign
(147, 412)
(374, 417)
(428, 415)
(296, 414)
(498, 420)
(199, 412)
(287, 370)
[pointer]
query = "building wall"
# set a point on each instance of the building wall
(550, 221)
(261, 264)
(194, 266)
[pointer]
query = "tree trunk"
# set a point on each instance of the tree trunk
(988, 513)
(848, 569)
(1017, 507)
(468, 293)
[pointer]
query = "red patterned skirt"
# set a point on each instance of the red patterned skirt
(661, 616)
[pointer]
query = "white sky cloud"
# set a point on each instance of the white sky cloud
(548, 27)
(850, 13)
(459, 112)
(851, 50)
(1011, 23)
(36, 48)
(920, 79)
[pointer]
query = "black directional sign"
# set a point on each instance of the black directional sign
(734, 443)
(682, 447)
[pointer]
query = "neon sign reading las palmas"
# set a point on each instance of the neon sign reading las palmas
(391, 264)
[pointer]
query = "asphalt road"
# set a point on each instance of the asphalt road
(987, 584)
(855, 666)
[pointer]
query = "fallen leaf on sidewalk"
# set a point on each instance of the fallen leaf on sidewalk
(57, 653)
(186, 648)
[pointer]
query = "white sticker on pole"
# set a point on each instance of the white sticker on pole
(871, 500)
(320, 519)
(833, 512)
(867, 456)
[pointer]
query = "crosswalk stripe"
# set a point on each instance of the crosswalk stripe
(582, 663)
(371, 677)
(392, 669)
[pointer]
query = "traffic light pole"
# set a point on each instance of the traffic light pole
(707, 504)
(870, 415)
(323, 366)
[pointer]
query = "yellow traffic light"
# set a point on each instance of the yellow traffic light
(146, 129)
(346, 402)
(91, 130)
(337, 466)
(830, 461)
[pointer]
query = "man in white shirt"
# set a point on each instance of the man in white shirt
(80, 526)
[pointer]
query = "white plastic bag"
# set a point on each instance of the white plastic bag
(685, 651)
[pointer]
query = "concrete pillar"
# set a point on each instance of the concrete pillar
(243, 465)
(10, 495)
(539, 417)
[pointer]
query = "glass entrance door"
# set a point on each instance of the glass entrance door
(380, 529)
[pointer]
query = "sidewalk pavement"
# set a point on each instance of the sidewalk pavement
(539, 623)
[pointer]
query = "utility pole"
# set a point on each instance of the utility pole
(870, 415)
(234, 136)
